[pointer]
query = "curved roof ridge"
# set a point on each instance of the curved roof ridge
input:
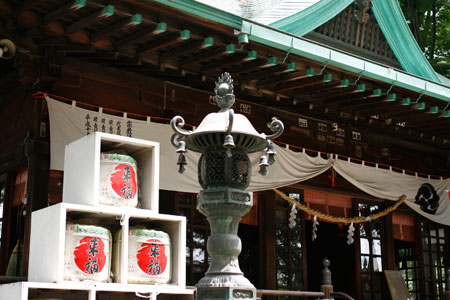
(312, 17)
(397, 33)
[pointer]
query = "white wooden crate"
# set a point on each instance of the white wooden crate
(90, 291)
(48, 232)
(82, 168)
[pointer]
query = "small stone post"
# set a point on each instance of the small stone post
(447, 286)
(327, 285)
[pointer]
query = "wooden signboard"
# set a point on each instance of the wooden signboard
(397, 285)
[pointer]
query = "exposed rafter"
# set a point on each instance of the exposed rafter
(123, 25)
(99, 15)
(285, 77)
(293, 85)
(168, 40)
(141, 34)
(229, 49)
(188, 48)
(63, 10)
(237, 58)
(267, 69)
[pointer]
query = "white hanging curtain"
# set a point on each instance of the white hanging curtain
(69, 123)
(428, 197)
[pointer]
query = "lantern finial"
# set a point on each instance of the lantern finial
(224, 91)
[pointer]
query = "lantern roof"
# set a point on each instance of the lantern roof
(225, 128)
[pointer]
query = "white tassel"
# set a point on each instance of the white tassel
(292, 216)
(314, 230)
(351, 232)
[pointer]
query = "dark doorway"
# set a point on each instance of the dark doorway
(331, 242)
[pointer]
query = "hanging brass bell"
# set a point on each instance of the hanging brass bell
(263, 161)
(271, 152)
(181, 147)
(263, 164)
(229, 142)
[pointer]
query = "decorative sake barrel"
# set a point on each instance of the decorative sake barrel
(149, 256)
(118, 180)
(87, 254)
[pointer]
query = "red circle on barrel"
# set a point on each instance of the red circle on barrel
(152, 258)
(123, 181)
(90, 255)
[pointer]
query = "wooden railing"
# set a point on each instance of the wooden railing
(336, 295)
(325, 293)
(260, 293)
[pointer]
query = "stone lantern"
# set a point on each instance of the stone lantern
(224, 171)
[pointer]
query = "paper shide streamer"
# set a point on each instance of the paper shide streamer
(292, 216)
(314, 229)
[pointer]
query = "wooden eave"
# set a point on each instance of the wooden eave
(172, 45)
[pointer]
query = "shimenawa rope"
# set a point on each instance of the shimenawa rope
(329, 218)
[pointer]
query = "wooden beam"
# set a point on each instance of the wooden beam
(240, 57)
(406, 109)
(268, 69)
(186, 49)
(117, 27)
(229, 49)
(385, 108)
(168, 40)
(62, 11)
(99, 15)
(335, 86)
(248, 67)
(348, 100)
(283, 78)
(142, 34)
(426, 120)
(410, 116)
(432, 124)
(441, 129)
(359, 102)
(437, 129)
(332, 95)
(380, 102)
(303, 83)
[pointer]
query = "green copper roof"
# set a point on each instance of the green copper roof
(204, 11)
(296, 45)
(302, 47)
(390, 19)
(312, 17)
(397, 33)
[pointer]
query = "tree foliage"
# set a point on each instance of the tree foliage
(429, 21)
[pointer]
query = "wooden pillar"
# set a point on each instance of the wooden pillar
(8, 178)
(267, 257)
(388, 239)
(38, 154)
(447, 286)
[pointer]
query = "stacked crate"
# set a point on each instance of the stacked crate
(81, 201)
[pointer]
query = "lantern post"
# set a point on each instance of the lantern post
(224, 172)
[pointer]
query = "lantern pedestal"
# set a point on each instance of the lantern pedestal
(224, 207)
(226, 293)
